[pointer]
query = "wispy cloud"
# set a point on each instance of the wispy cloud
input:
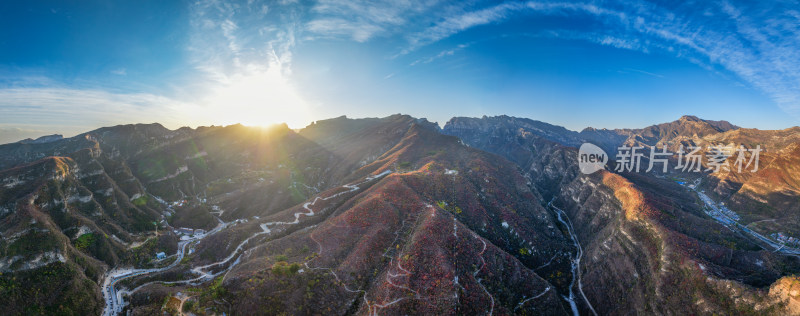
(244, 53)
(119, 72)
(13, 134)
(70, 111)
(442, 54)
(459, 22)
(757, 42)
(755, 47)
(227, 39)
(333, 27)
(629, 70)
(241, 54)
(361, 20)
(464, 19)
(228, 28)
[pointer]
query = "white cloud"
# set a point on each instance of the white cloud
(13, 134)
(458, 23)
(757, 47)
(642, 72)
(362, 20)
(245, 58)
(228, 29)
(341, 27)
(758, 43)
(442, 54)
(71, 111)
(244, 53)
(244, 64)
(119, 72)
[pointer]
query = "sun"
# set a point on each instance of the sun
(257, 97)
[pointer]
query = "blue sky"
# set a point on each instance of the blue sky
(72, 66)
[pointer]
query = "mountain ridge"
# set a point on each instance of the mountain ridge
(391, 215)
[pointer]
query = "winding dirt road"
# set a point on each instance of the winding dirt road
(114, 298)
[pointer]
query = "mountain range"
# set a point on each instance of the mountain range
(396, 215)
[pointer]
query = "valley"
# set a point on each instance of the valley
(114, 298)
(575, 262)
(730, 219)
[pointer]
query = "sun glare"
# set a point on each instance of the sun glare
(259, 97)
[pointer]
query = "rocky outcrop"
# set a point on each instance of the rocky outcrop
(787, 291)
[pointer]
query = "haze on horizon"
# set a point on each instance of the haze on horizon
(71, 68)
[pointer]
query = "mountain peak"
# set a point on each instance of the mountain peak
(690, 118)
(42, 140)
(721, 126)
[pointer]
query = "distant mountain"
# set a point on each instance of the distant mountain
(387, 215)
(685, 128)
(42, 140)
(503, 126)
